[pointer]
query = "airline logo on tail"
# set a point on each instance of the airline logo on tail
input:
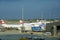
(2, 21)
(21, 22)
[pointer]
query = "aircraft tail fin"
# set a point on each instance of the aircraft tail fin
(2, 21)
(21, 22)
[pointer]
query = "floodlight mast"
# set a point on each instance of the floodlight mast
(22, 10)
(22, 14)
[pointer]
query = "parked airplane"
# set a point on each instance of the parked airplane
(3, 23)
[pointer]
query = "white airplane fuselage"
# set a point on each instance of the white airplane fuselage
(27, 26)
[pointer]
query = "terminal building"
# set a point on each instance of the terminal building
(53, 27)
(50, 26)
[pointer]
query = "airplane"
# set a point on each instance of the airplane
(18, 26)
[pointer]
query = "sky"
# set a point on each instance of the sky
(42, 9)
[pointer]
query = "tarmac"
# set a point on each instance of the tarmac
(10, 32)
(17, 32)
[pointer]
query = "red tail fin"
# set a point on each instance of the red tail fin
(2, 21)
(21, 22)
